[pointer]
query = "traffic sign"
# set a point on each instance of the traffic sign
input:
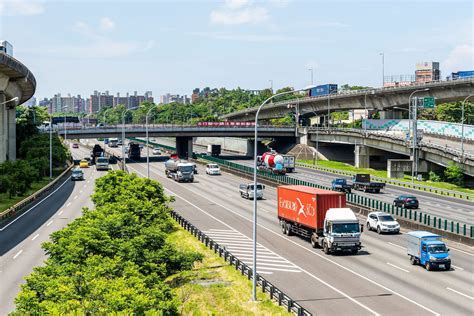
(428, 102)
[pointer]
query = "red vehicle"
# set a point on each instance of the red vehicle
(271, 161)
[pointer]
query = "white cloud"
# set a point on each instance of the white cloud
(280, 3)
(249, 37)
(106, 24)
(460, 58)
(20, 7)
(236, 4)
(244, 16)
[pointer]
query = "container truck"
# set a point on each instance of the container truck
(324, 89)
(213, 150)
(134, 151)
(96, 151)
(319, 215)
(361, 181)
(180, 171)
(427, 249)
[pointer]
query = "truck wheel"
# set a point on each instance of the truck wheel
(428, 266)
(354, 251)
(314, 244)
(288, 229)
(283, 227)
(326, 248)
(413, 260)
(379, 231)
(377, 191)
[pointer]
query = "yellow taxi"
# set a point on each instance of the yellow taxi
(84, 164)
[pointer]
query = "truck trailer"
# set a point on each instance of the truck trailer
(180, 171)
(319, 215)
(213, 150)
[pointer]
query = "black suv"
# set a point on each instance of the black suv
(406, 201)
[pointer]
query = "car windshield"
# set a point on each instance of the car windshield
(410, 198)
(102, 160)
(340, 181)
(77, 171)
(345, 228)
(386, 218)
(213, 166)
(259, 187)
(186, 168)
(437, 248)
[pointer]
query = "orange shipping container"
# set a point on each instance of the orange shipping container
(306, 205)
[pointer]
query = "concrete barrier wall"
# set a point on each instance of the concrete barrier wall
(232, 144)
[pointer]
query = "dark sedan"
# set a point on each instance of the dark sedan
(406, 201)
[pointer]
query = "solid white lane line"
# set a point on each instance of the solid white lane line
(26, 212)
(288, 270)
(258, 271)
(75, 197)
(60, 212)
(305, 271)
(276, 260)
(49, 223)
(456, 267)
(36, 236)
(397, 267)
(221, 230)
(464, 252)
(303, 247)
(17, 254)
(395, 245)
(267, 265)
(465, 295)
(68, 204)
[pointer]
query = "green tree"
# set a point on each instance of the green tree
(454, 174)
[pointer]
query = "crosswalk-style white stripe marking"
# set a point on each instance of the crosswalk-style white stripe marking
(241, 246)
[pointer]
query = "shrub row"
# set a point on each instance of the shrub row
(113, 259)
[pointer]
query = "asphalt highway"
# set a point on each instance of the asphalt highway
(379, 280)
(21, 238)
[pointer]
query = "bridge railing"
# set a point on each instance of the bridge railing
(413, 216)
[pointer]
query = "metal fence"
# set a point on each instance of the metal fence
(267, 287)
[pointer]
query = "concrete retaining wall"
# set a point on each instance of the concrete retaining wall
(232, 144)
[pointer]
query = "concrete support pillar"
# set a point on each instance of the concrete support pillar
(385, 115)
(362, 156)
(184, 147)
(11, 114)
(303, 136)
(3, 130)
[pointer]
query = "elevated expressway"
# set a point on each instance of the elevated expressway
(381, 99)
(16, 81)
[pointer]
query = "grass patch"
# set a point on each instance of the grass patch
(213, 287)
(383, 174)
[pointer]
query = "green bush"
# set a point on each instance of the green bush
(434, 177)
(113, 259)
(16, 177)
(453, 174)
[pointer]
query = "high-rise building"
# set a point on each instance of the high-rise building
(31, 102)
(427, 72)
(99, 100)
(195, 95)
(165, 99)
(56, 103)
(6, 47)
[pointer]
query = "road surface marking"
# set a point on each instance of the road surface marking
(68, 204)
(17, 254)
(220, 230)
(464, 252)
(26, 212)
(262, 209)
(395, 245)
(457, 268)
(85, 185)
(397, 267)
(301, 246)
(88, 181)
(303, 270)
(49, 223)
(36, 236)
(75, 197)
(60, 212)
(465, 295)
(80, 192)
(258, 271)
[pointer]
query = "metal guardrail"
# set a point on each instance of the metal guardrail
(417, 217)
(19, 207)
(267, 287)
(419, 187)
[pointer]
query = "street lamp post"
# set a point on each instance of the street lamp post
(50, 146)
(383, 68)
(254, 259)
(124, 162)
(462, 123)
(414, 115)
(148, 149)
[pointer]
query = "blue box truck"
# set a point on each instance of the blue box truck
(324, 89)
(428, 250)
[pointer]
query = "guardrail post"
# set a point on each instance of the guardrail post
(264, 285)
(290, 305)
(410, 215)
(472, 231)
(434, 221)
(452, 226)
(424, 222)
(457, 227)
(280, 298)
(272, 289)
(445, 224)
(439, 223)
(464, 230)
(429, 220)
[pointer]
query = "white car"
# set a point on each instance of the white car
(382, 223)
(213, 169)
(156, 151)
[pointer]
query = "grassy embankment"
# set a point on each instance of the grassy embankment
(213, 287)
(383, 174)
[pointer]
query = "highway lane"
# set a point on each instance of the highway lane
(380, 280)
(20, 241)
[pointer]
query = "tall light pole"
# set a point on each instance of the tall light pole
(271, 85)
(124, 160)
(50, 146)
(365, 109)
(383, 69)
(462, 123)
(148, 149)
(329, 104)
(254, 260)
(312, 75)
(414, 114)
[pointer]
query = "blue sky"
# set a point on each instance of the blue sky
(174, 46)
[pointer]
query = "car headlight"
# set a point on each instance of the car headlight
(432, 258)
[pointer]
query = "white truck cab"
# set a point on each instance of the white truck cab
(341, 231)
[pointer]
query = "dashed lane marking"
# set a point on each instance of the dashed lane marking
(60, 212)
(68, 204)
(395, 245)
(75, 197)
(460, 293)
(49, 223)
(397, 267)
(17, 254)
(36, 236)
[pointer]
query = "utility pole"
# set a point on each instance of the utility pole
(383, 69)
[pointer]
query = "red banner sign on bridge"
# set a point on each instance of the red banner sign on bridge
(226, 124)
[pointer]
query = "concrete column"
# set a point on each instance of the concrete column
(386, 115)
(11, 113)
(362, 156)
(3, 130)
(184, 147)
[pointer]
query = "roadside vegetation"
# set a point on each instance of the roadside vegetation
(30, 172)
(451, 178)
(127, 256)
